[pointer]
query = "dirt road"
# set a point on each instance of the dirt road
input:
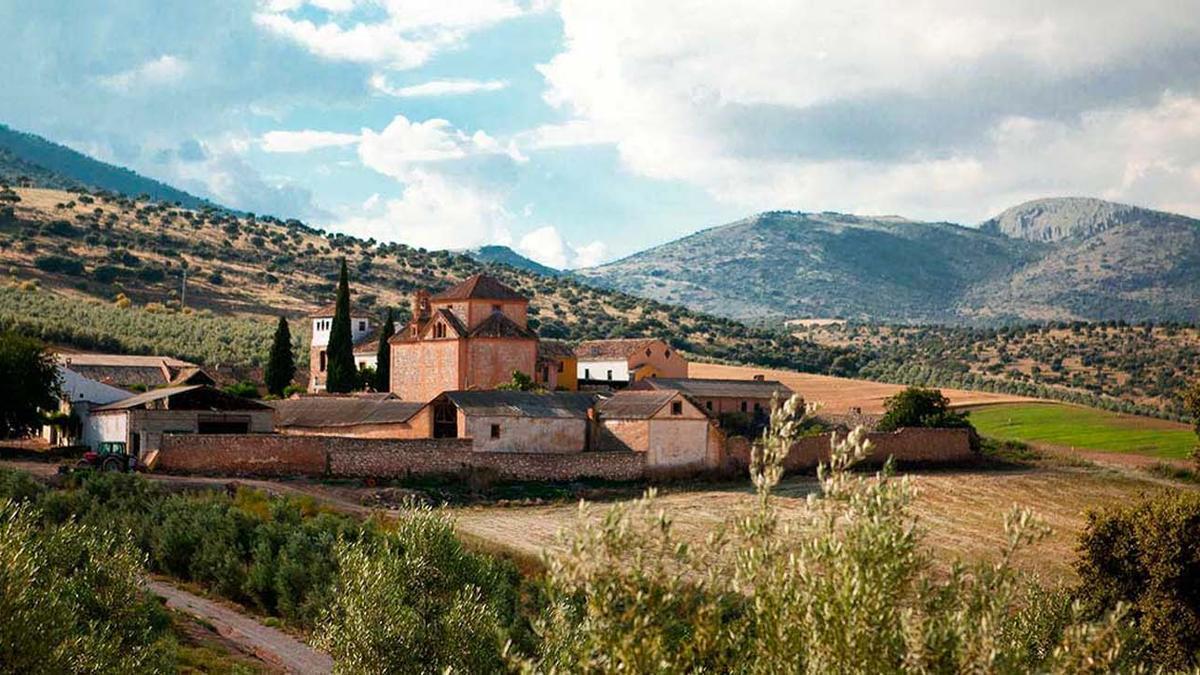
(273, 646)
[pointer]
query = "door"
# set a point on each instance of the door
(445, 420)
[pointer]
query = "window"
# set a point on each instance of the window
(439, 330)
(497, 308)
(667, 353)
(545, 373)
(560, 366)
(610, 374)
(495, 431)
(743, 406)
(587, 373)
(676, 407)
(362, 326)
(323, 360)
(708, 405)
(647, 352)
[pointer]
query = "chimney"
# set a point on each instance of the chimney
(420, 305)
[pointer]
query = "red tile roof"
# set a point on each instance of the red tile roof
(613, 349)
(328, 311)
(500, 326)
(479, 287)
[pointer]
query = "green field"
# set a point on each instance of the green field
(1086, 428)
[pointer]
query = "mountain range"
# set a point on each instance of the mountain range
(1049, 259)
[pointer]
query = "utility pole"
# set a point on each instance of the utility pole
(183, 291)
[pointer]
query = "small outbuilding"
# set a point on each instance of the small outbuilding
(380, 415)
(752, 397)
(668, 426)
(140, 421)
(514, 421)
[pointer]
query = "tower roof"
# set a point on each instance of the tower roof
(479, 287)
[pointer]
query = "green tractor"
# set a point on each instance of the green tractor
(109, 456)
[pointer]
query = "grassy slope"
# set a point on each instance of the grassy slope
(1088, 428)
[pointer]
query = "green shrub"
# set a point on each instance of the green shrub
(59, 264)
(844, 586)
(1147, 554)
(414, 600)
(917, 407)
(71, 600)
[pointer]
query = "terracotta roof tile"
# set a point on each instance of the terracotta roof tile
(613, 349)
(478, 287)
(634, 405)
(500, 403)
(554, 350)
(714, 388)
(500, 326)
(328, 311)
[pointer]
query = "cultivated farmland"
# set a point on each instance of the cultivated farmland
(1072, 426)
(839, 394)
(961, 512)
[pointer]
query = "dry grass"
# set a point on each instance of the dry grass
(839, 394)
(961, 512)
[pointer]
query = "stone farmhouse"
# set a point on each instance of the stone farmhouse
(719, 397)
(616, 363)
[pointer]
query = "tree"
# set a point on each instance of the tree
(917, 407)
(281, 365)
(1191, 403)
(28, 384)
(1143, 554)
(383, 357)
(520, 382)
(341, 375)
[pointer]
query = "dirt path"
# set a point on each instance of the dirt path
(270, 645)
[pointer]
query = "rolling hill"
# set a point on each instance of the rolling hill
(1051, 259)
(503, 255)
(34, 161)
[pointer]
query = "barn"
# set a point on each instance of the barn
(672, 430)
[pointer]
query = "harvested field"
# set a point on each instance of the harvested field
(962, 513)
(839, 394)
(1072, 426)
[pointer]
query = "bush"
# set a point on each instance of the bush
(1147, 554)
(59, 264)
(917, 407)
(844, 586)
(415, 600)
(72, 601)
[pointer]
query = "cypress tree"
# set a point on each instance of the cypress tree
(383, 357)
(341, 375)
(281, 366)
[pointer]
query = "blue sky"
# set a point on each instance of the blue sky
(581, 131)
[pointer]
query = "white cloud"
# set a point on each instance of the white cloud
(304, 141)
(568, 134)
(402, 144)
(871, 107)
(410, 33)
(436, 87)
(546, 245)
(165, 70)
(434, 212)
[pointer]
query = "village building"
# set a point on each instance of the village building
(134, 373)
(471, 336)
(140, 421)
(719, 397)
(514, 421)
(669, 427)
(361, 334)
(616, 363)
(556, 366)
(381, 415)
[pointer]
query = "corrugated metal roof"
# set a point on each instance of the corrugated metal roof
(478, 287)
(713, 388)
(121, 360)
(530, 404)
(226, 401)
(343, 411)
(634, 405)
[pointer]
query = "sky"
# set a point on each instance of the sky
(581, 131)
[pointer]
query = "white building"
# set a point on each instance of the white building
(362, 330)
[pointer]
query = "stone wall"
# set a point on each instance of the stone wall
(271, 455)
(909, 447)
(243, 455)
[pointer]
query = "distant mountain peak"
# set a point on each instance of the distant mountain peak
(1058, 218)
(504, 255)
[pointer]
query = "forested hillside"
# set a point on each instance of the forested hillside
(121, 264)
